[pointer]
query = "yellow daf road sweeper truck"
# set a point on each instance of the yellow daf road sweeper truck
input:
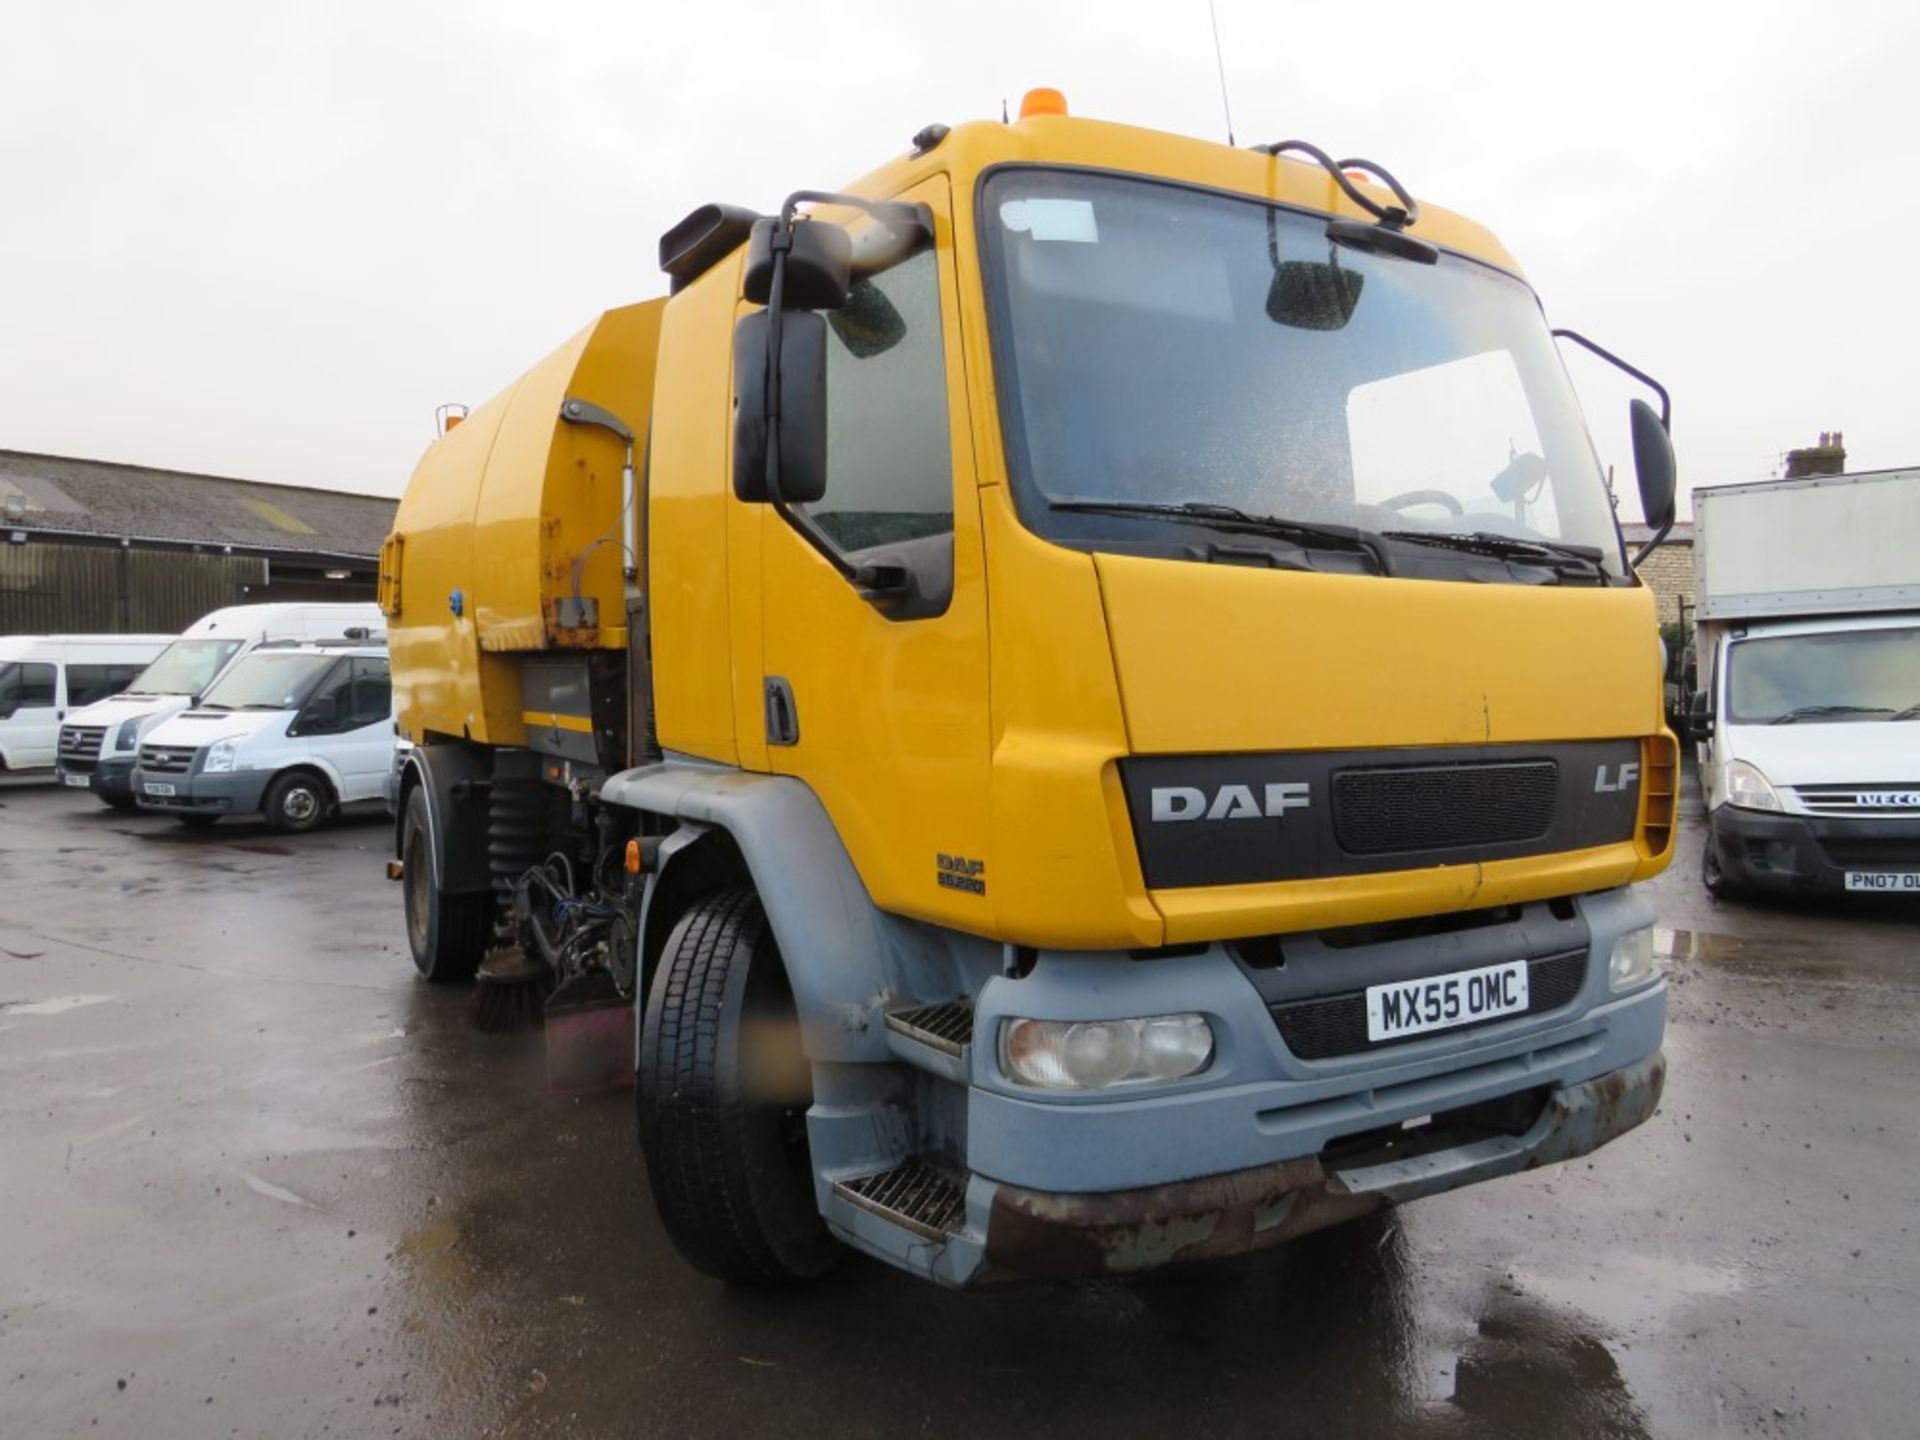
(1086, 690)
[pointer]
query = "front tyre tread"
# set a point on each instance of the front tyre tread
(736, 1199)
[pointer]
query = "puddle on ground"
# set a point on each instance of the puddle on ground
(1631, 1293)
(1748, 955)
(58, 1005)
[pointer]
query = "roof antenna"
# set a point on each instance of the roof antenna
(1221, 65)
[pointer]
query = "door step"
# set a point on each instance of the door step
(946, 1027)
(914, 1195)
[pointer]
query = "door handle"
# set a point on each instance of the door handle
(782, 715)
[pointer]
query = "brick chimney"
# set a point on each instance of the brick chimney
(1829, 457)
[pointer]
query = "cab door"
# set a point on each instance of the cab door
(877, 697)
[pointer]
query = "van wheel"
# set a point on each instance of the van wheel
(723, 1092)
(1712, 877)
(447, 933)
(120, 802)
(297, 802)
(198, 822)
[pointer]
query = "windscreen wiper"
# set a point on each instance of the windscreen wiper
(1553, 553)
(1912, 712)
(1230, 517)
(1815, 712)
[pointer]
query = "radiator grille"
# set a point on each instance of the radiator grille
(1331, 1025)
(81, 743)
(167, 759)
(1894, 800)
(1441, 807)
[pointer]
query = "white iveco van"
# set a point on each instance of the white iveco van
(291, 731)
(98, 745)
(44, 676)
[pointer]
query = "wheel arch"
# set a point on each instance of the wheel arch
(772, 831)
(455, 777)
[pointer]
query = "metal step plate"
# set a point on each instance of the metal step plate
(946, 1027)
(914, 1195)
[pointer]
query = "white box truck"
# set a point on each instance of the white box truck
(1807, 717)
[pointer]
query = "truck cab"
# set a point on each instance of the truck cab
(100, 743)
(1109, 654)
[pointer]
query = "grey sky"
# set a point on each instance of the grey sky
(265, 239)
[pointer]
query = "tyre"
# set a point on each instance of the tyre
(198, 822)
(1712, 877)
(297, 802)
(120, 802)
(447, 933)
(723, 1090)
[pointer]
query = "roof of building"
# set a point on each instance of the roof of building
(98, 497)
(1638, 533)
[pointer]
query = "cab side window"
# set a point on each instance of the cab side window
(325, 712)
(36, 686)
(369, 695)
(889, 445)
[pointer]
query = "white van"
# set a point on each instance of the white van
(44, 676)
(99, 744)
(292, 731)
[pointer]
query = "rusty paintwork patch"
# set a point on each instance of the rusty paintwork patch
(1070, 1236)
(1052, 1236)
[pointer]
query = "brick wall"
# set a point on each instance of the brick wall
(1669, 572)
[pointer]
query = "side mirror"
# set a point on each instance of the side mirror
(819, 266)
(802, 407)
(1700, 717)
(1654, 464)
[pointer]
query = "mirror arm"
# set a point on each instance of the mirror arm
(1666, 402)
(1653, 544)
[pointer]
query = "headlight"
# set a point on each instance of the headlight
(128, 735)
(1632, 962)
(220, 756)
(1094, 1054)
(1749, 789)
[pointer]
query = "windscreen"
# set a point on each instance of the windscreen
(1170, 345)
(268, 680)
(185, 667)
(1842, 676)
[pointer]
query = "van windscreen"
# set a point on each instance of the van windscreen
(186, 667)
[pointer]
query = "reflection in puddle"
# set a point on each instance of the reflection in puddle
(1748, 955)
(1633, 1292)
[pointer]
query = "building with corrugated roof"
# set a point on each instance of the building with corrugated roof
(91, 546)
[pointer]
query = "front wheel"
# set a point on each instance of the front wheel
(723, 1091)
(297, 802)
(1712, 877)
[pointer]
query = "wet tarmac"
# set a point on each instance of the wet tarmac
(256, 1181)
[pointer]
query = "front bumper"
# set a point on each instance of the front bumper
(110, 776)
(1067, 1236)
(1273, 1139)
(238, 793)
(1808, 853)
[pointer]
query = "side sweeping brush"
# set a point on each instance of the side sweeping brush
(510, 993)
